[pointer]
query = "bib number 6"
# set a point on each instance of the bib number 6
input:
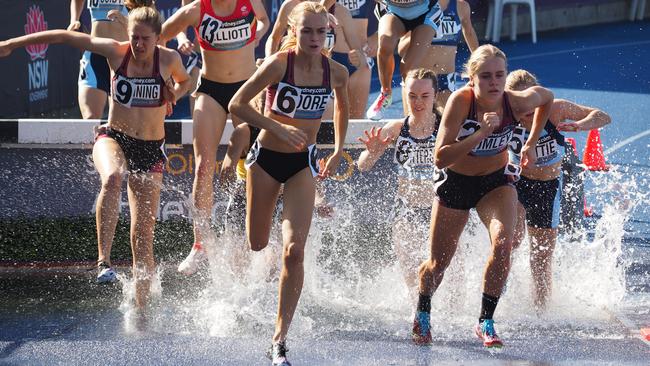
(286, 100)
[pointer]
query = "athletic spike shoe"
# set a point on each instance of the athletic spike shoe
(105, 274)
(379, 106)
(485, 332)
(190, 265)
(278, 354)
(422, 329)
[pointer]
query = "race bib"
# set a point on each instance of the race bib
(97, 4)
(295, 102)
(136, 92)
(226, 35)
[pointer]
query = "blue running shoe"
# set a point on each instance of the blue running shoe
(485, 332)
(422, 329)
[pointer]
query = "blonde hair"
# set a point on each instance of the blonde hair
(425, 74)
(147, 15)
(479, 56)
(520, 78)
(291, 41)
(134, 4)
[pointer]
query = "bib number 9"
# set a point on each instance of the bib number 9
(123, 92)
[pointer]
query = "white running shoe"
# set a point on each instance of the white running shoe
(190, 265)
(105, 274)
(278, 354)
(379, 106)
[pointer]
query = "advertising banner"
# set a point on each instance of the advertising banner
(37, 79)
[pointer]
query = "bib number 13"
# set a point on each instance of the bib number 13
(209, 27)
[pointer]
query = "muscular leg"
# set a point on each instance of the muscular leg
(542, 245)
(91, 102)
(261, 196)
(497, 210)
(520, 226)
(446, 227)
(421, 37)
(408, 239)
(359, 87)
(209, 121)
(111, 165)
(299, 193)
(144, 197)
(390, 31)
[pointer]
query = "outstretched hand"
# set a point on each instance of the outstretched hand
(374, 142)
(5, 50)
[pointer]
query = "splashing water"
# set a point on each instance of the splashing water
(354, 287)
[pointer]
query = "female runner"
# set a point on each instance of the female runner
(299, 80)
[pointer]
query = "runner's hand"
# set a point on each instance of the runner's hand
(118, 17)
(490, 122)
(169, 95)
(186, 47)
(74, 26)
(5, 49)
(330, 165)
(528, 156)
(356, 58)
(292, 136)
(374, 143)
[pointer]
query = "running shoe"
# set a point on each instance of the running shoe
(379, 106)
(105, 274)
(485, 331)
(190, 265)
(422, 329)
(278, 354)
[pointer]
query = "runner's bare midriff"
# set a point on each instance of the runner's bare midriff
(272, 142)
(140, 123)
(229, 66)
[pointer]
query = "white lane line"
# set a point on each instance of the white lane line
(578, 50)
(627, 141)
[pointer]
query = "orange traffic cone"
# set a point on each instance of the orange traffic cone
(593, 157)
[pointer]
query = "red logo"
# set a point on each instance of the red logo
(36, 23)
(244, 10)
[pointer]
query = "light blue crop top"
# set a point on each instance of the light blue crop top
(99, 9)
